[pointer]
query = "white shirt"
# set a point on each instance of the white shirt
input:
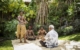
(51, 38)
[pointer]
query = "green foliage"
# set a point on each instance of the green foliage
(15, 6)
(10, 28)
(4, 5)
(31, 13)
(53, 17)
(68, 30)
(65, 30)
(61, 15)
(11, 7)
(76, 25)
(6, 45)
(70, 10)
(57, 11)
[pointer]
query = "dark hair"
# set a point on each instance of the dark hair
(30, 26)
(21, 11)
(41, 27)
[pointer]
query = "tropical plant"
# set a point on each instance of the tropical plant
(68, 30)
(10, 29)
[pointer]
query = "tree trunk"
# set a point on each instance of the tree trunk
(42, 13)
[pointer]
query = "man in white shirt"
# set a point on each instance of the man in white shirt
(51, 38)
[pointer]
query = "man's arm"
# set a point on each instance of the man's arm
(46, 37)
(33, 33)
(25, 22)
(19, 19)
(45, 32)
(38, 32)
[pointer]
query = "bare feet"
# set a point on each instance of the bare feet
(20, 41)
(25, 42)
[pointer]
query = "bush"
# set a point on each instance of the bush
(10, 28)
(77, 25)
(65, 30)
(68, 30)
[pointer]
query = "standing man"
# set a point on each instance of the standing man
(51, 38)
(21, 27)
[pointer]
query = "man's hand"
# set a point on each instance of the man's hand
(25, 22)
(21, 21)
(48, 39)
(42, 39)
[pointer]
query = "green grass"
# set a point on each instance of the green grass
(75, 37)
(6, 45)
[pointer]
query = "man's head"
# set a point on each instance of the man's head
(41, 28)
(30, 27)
(51, 27)
(21, 13)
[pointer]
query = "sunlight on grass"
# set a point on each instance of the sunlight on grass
(6, 45)
(75, 37)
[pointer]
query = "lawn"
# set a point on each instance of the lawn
(6, 45)
(75, 37)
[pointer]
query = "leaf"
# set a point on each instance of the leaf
(31, 12)
(28, 19)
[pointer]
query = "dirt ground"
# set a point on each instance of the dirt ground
(62, 45)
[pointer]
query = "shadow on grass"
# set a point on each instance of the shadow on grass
(6, 45)
(76, 37)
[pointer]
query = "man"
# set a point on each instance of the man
(21, 28)
(30, 34)
(41, 33)
(51, 38)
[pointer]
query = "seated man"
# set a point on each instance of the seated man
(51, 38)
(41, 33)
(30, 34)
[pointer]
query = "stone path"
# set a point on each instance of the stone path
(35, 45)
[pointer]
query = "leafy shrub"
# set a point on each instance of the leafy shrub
(10, 28)
(68, 30)
(60, 31)
(77, 24)
(65, 30)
